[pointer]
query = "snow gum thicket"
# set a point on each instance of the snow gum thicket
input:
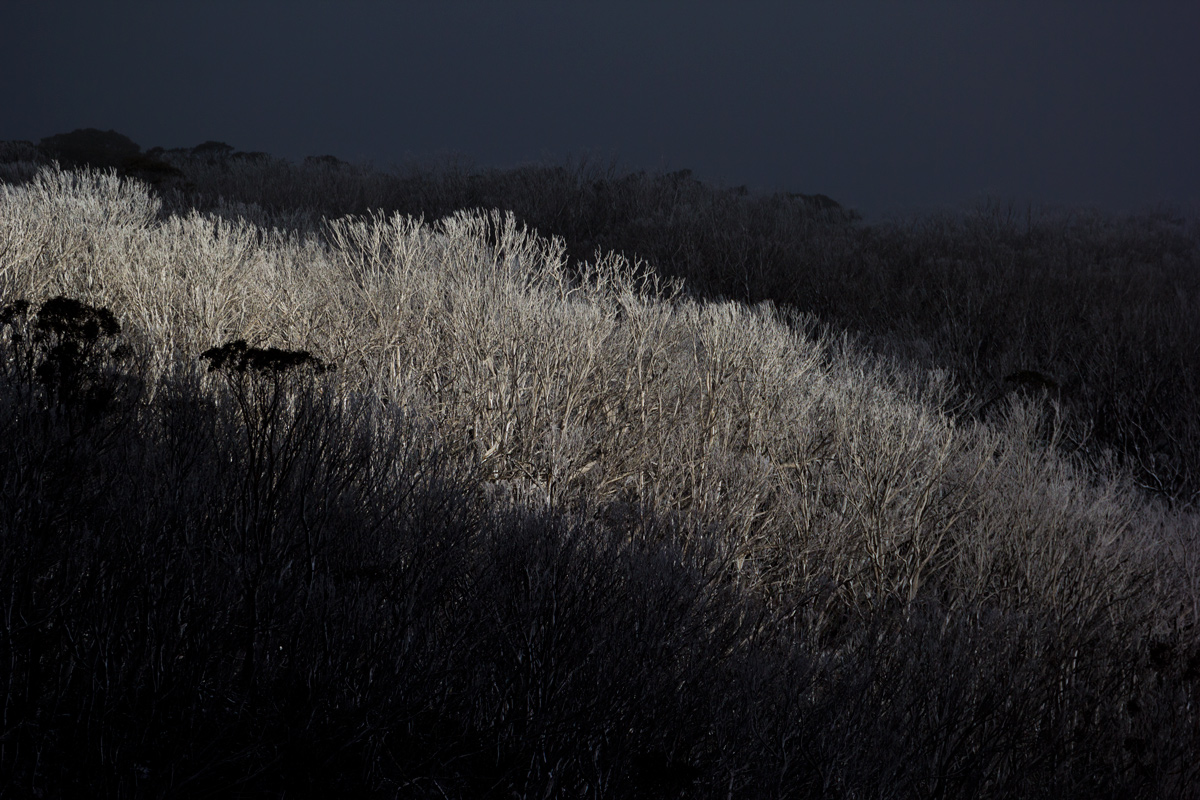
(550, 528)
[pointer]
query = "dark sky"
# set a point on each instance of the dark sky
(885, 106)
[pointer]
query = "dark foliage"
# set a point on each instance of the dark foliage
(151, 169)
(237, 357)
(90, 147)
(254, 157)
(19, 150)
(327, 161)
(71, 352)
(212, 149)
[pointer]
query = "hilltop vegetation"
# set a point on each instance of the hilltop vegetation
(1101, 306)
(320, 481)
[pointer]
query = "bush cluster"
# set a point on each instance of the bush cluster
(552, 527)
(97, 149)
(1102, 304)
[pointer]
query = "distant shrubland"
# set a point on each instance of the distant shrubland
(562, 482)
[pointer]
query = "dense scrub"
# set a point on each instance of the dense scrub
(551, 527)
(1099, 308)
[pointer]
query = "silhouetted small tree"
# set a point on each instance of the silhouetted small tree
(279, 417)
(69, 352)
(259, 380)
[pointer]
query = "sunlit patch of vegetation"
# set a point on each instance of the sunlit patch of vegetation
(708, 495)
